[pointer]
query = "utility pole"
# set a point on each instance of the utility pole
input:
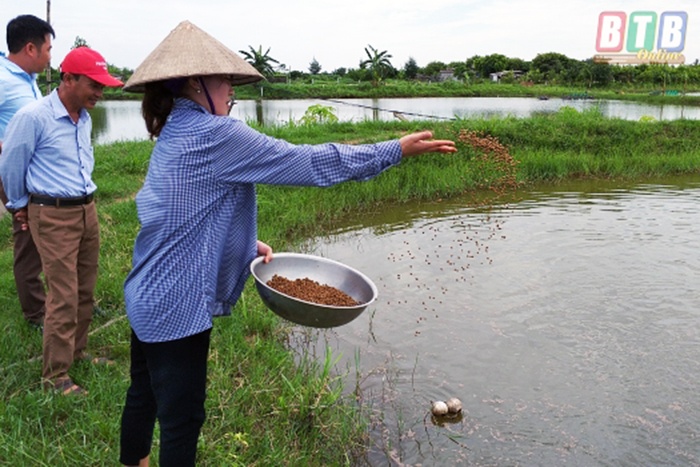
(48, 66)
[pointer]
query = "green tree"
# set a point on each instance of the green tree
(684, 76)
(601, 73)
(535, 76)
(491, 64)
(459, 69)
(474, 66)
(410, 69)
(79, 42)
(432, 69)
(342, 71)
(623, 74)
(314, 67)
(655, 74)
(260, 61)
(378, 64)
(551, 65)
(518, 64)
(576, 72)
(359, 74)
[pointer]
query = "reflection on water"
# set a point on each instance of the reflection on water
(568, 323)
(121, 120)
(117, 121)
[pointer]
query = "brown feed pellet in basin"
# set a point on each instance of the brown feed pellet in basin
(311, 291)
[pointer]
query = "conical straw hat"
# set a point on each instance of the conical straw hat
(189, 51)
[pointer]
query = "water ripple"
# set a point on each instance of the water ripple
(568, 322)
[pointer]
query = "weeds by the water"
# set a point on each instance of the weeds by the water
(265, 407)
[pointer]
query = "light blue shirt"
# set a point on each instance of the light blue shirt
(46, 153)
(17, 89)
(198, 213)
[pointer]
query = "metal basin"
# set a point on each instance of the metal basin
(322, 270)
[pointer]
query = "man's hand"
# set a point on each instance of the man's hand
(20, 216)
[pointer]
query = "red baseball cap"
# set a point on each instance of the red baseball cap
(86, 61)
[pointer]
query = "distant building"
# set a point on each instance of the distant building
(496, 77)
(441, 76)
(446, 75)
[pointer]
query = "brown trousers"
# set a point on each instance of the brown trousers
(27, 270)
(68, 240)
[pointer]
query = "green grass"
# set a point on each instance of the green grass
(265, 405)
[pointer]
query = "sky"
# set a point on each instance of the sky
(336, 32)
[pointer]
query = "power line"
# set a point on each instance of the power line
(397, 113)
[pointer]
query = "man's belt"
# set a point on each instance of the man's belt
(60, 202)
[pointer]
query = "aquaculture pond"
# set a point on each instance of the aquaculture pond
(122, 120)
(566, 319)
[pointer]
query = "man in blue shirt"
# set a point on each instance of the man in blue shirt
(46, 169)
(29, 46)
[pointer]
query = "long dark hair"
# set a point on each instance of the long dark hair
(156, 106)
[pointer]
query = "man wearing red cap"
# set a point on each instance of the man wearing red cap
(46, 170)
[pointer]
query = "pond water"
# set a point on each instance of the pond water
(121, 120)
(567, 320)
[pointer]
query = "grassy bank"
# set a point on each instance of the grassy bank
(328, 89)
(263, 409)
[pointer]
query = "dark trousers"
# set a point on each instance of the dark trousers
(168, 383)
(27, 270)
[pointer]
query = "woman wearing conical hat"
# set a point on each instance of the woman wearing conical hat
(197, 210)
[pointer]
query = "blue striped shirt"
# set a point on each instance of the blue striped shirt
(17, 89)
(198, 213)
(45, 152)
